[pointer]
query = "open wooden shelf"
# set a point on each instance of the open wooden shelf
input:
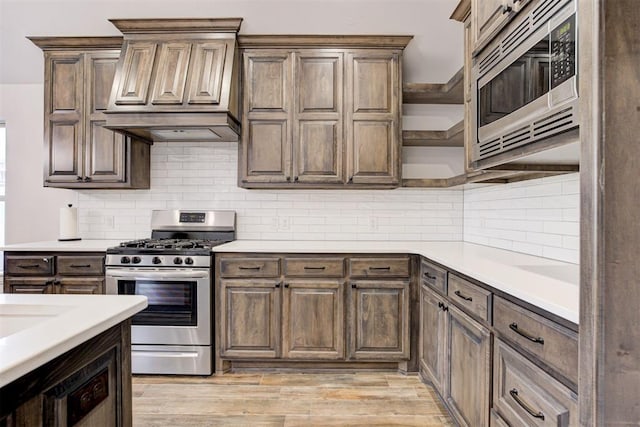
(452, 137)
(501, 175)
(451, 92)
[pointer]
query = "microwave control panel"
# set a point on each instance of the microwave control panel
(563, 52)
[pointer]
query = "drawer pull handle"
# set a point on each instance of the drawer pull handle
(28, 266)
(314, 268)
(535, 414)
(442, 306)
(380, 268)
(459, 295)
(250, 268)
(80, 265)
(429, 276)
(514, 328)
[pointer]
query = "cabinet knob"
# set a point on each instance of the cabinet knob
(79, 178)
(506, 9)
(288, 178)
(354, 286)
(295, 179)
(350, 180)
(87, 179)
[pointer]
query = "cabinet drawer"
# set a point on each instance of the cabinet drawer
(471, 297)
(553, 344)
(379, 267)
(314, 267)
(434, 277)
(28, 265)
(249, 267)
(524, 395)
(80, 265)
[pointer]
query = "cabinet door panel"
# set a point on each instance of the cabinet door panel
(374, 152)
(488, 18)
(467, 391)
(63, 112)
(40, 285)
(81, 285)
(251, 318)
(319, 82)
(373, 85)
(268, 82)
(268, 156)
(313, 322)
(205, 71)
(105, 150)
(379, 320)
(433, 337)
(136, 70)
(173, 60)
(319, 151)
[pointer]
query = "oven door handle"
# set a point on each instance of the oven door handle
(157, 275)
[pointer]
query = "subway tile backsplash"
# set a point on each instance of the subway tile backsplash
(538, 217)
(204, 176)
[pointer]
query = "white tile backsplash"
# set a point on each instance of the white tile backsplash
(204, 176)
(539, 217)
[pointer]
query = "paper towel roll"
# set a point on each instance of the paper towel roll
(68, 223)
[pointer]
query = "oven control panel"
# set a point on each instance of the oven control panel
(185, 261)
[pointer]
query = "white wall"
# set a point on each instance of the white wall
(31, 209)
(539, 217)
(204, 175)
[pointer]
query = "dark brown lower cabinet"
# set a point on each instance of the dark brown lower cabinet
(379, 326)
(467, 391)
(433, 339)
(89, 385)
(313, 319)
(525, 395)
(250, 318)
(29, 285)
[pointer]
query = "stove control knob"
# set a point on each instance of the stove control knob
(188, 260)
(156, 260)
(177, 260)
(125, 260)
(136, 260)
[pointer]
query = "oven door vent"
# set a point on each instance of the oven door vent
(550, 125)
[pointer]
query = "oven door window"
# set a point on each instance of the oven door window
(525, 80)
(170, 303)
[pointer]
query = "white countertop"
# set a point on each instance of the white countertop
(35, 329)
(546, 283)
(89, 245)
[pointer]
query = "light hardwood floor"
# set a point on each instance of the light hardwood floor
(285, 399)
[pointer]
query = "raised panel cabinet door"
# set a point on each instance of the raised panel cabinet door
(137, 66)
(170, 77)
(105, 150)
(80, 285)
(488, 16)
(373, 116)
(29, 285)
(250, 318)
(313, 319)
(265, 153)
(379, 320)
(318, 141)
(433, 337)
(205, 72)
(468, 386)
(64, 109)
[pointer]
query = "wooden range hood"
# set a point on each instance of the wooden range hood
(177, 80)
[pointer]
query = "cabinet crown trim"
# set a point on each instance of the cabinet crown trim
(181, 25)
(336, 41)
(52, 43)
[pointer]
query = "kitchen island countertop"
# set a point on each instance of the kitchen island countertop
(548, 284)
(35, 329)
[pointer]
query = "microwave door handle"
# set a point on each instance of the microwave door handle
(158, 275)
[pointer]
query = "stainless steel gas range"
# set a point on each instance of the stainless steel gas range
(173, 269)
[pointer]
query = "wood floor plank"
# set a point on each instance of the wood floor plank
(287, 399)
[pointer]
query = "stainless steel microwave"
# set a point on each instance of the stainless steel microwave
(525, 84)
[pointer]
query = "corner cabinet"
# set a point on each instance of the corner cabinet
(80, 152)
(321, 111)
